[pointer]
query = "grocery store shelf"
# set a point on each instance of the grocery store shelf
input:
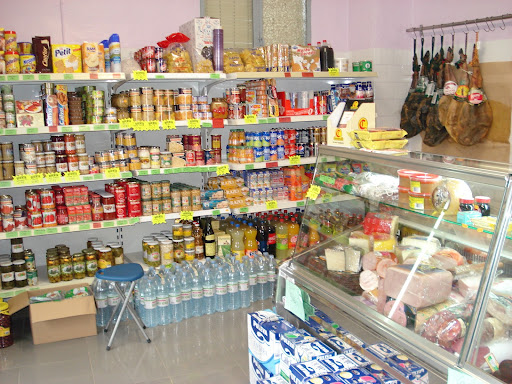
(180, 76)
(176, 216)
(300, 75)
(281, 204)
(278, 163)
(33, 78)
(280, 120)
(62, 180)
(59, 129)
(168, 171)
(92, 225)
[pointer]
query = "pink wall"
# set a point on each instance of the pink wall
(330, 21)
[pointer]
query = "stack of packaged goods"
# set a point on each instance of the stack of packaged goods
(19, 269)
(41, 56)
(234, 191)
(163, 197)
(7, 107)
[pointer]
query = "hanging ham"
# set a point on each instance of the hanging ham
(450, 86)
(412, 100)
(458, 101)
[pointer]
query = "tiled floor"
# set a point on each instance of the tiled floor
(201, 350)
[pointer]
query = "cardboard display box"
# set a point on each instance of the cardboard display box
(58, 320)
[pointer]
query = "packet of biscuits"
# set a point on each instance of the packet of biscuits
(42, 48)
(92, 58)
(233, 62)
(67, 58)
(304, 58)
(253, 59)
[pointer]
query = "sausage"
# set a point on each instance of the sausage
(399, 316)
(433, 324)
(383, 265)
(368, 280)
(371, 259)
(450, 331)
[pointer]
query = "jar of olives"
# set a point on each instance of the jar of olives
(53, 268)
(78, 265)
(66, 266)
(153, 256)
(105, 258)
(20, 273)
(118, 253)
(91, 262)
(7, 275)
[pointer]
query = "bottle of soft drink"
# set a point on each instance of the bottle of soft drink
(243, 284)
(281, 240)
(250, 243)
(233, 292)
(175, 304)
(197, 290)
(113, 299)
(186, 291)
(209, 288)
(162, 300)
(221, 287)
(261, 278)
(237, 242)
(293, 235)
(271, 236)
(150, 303)
(100, 289)
(253, 280)
(262, 236)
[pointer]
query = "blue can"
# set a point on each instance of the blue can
(208, 158)
(299, 149)
(273, 152)
(273, 137)
(258, 155)
(265, 138)
(280, 136)
(280, 152)
(249, 139)
(266, 153)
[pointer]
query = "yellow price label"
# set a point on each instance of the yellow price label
(158, 219)
(72, 176)
(250, 119)
(222, 170)
(153, 125)
(126, 123)
(313, 192)
(194, 123)
(139, 125)
(271, 205)
(140, 75)
(334, 72)
(169, 124)
(295, 160)
(37, 178)
(20, 180)
(187, 215)
(113, 173)
(53, 177)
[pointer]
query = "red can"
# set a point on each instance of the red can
(8, 223)
(185, 142)
(134, 208)
(148, 52)
(120, 211)
(35, 220)
(33, 201)
(133, 191)
(72, 215)
(217, 156)
(62, 215)
(6, 205)
(150, 65)
(190, 158)
(120, 195)
(195, 142)
(49, 217)
(199, 157)
(47, 198)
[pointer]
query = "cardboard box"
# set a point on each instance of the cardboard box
(58, 320)
(285, 106)
(200, 45)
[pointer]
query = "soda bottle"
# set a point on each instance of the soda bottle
(326, 57)
(314, 237)
(251, 246)
(237, 242)
(209, 288)
(175, 304)
(186, 291)
(243, 284)
(221, 287)
(233, 293)
(162, 300)
(281, 240)
(262, 236)
(271, 237)
(293, 234)
(100, 289)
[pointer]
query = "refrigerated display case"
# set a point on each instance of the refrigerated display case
(414, 250)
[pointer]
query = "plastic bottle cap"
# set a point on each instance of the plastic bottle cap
(482, 199)
(282, 220)
(250, 224)
(238, 225)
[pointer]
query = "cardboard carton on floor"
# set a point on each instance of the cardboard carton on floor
(58, 320)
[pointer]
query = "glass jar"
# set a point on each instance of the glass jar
(145, 241)
(146, 97)
(153, 254)
(118, 253)
(148, 112)
(189, 243)
(219, 108)
(196, 199)
(91, 263)
(20, 273)
(136, 113)
(66, 266)
(105, 258)
(178, 250)
(186, 200)
(177, 231)
(190, 254)
(6, 339)
(175, 200)
(166, 251)
(187, 230)
(80, 143)
(134, 97)
(7, 271)
(78, 265)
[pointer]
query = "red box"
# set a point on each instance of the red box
(134, 208)
(69, 198)
(87, 212)
(285, 108)
(79, 213)
(72, 214)
(84, 191)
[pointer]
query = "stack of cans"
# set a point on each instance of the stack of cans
(7, 108)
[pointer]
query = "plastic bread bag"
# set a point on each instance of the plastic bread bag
(47, 297)
(253, 59)
(77, 292)
(233, 62)
(176, 56)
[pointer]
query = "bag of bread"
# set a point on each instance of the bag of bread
(253, 59)
(175, 54)
(304, 58)
(233, 62)
(92, 59)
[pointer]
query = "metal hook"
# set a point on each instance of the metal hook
(466, 24)
(442, 32)
(493, 27)
(477, 27)
(504, 26)
(487, 30)
(453, 31)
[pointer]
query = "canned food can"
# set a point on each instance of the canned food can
(120, 211)
(146, 207)
(32, 277)
(47, 198)
(200, 158)
(35, 220)
(190, 157)
(365, 66)
(133, 191)
(49, 217)
(134, 208)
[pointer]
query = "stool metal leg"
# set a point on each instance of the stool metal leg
(123, 308)
(130, 309)
(112, 315)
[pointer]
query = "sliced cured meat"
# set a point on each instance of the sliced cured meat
(433, 324)
(368, 280)
(443, 262)
(399, 315)
(371, 259)
(383, 265)
(501, 308)
(380, 222)
(452, 254)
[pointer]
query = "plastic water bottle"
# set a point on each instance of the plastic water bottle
(197, 291)
(150, 303)
(175, 305)
(186, 291)
(243, 285)
(209, 288)
(271, 274)
(100, 289)
(125, 287)
(253, 276)
(139, 298)
(261, 269)
(233, 292)
(162, 300)
(221, 287)
(113, 299)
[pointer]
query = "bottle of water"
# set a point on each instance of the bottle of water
(100, 289)
(253, 275)
(150, 303)
(261, 269)
(175, 304)
(209, 288)
(125, 287)
(113, 299)
(186, 291)
(197, 291)
(233, 292)
(162, 300)
(221, 287)
(272, 274)
(139, 297)
(243, 284)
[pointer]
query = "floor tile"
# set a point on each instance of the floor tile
(72, 371)
(9, 376)
(227, 374)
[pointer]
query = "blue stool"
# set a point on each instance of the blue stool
(123, 273)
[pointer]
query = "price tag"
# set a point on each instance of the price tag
(250, 119)
(122, 222)
(113, 173)
(194, 123)
(313, 192)
(216, 212)
(20, 180)
(28, 77)
(108, 224)
(334, 72)
(271, 205)
(84, 227)
(143, 172)
(140, 75)
(139, 126)
(300, 203)
(32, 131)
(44, 77)
(53, 177)
(155, 172)
(153, 125)
(295, 160)
(25, 233)
(222, 170)
(214, 75)
(72, 176)
(186, 215)
(13, 77)
(169, 124)
(327, 179)
(134, 220)
(126, 123)
(12, 235)
(51, 231)
(244, 210)
(327, 198)
(68, 76)
(98, 176)
(36, 179)
(66, 228)
(39, 232)
(158, 219)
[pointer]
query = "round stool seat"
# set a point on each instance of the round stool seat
(122, 272)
